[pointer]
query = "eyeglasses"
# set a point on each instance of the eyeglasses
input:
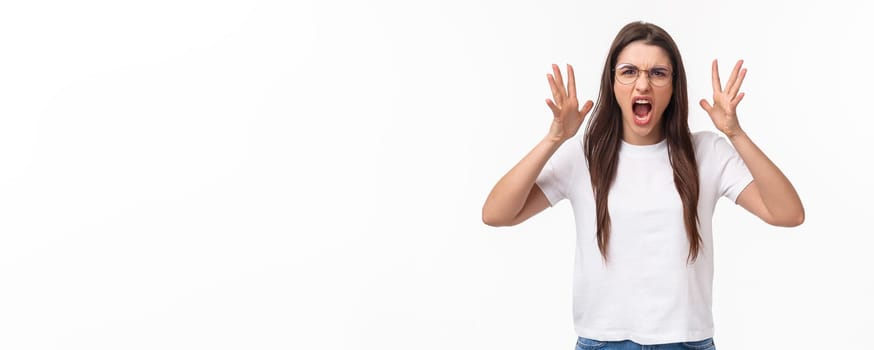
(627, 74)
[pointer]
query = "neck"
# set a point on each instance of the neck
(642, 140)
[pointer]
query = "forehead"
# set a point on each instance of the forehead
(643, 55)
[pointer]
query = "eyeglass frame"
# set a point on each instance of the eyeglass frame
(648, 74)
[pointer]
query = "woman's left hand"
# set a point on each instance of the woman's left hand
(723, 112)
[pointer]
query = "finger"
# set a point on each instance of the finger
(737, 99)
(732, 79)
(706, 105)
(740, 79)
(555, 93)
(559, 83)
(571, 82)
(717, 86)
(587, 107)
(552, 106)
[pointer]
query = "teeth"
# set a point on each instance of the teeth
(641, 101)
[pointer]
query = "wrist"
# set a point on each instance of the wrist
(552, 141)
(738, 136)
(739, 133)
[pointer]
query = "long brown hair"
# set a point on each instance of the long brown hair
(604, 135)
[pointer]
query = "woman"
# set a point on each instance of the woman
(643, 190)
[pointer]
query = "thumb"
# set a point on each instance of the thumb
(587, 107)
(706, 105)
(552, 106)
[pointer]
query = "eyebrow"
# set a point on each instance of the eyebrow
(628, 65)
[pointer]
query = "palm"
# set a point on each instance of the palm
(723, 112)
(567, 117)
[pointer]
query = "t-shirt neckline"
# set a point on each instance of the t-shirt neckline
(653, 149)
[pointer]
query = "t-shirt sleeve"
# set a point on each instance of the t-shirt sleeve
(554, 179)
(734, 176)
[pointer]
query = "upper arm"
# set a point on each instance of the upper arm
(751, 200)
(535, 203)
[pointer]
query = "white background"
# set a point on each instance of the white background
(310, 175)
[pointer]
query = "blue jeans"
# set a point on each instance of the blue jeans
(591, 344)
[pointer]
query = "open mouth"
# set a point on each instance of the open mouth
(642, 109)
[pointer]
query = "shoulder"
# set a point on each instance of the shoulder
(714, 151)
(709, 143)
(569, 156)
(573, 147)
(705, 139)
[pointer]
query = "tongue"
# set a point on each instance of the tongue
(641, 109)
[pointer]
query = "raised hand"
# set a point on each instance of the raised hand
(723, 112)
(567, 118)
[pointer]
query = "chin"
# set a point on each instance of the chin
(642, 130)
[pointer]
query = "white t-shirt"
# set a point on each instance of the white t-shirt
(645, 292)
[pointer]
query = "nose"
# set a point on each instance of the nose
(642, 82)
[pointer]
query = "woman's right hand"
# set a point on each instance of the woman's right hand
(567, 118)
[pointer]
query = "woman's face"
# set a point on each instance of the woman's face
(642, 101)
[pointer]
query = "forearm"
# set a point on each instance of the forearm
(507, 198)
(777, 193)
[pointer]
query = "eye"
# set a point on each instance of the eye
(628, 71)
(660, 72)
